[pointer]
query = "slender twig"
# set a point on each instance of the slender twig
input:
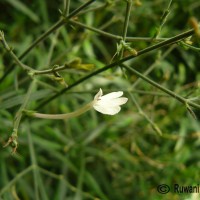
(145, 39)
(148, 49)
(56, 26)
(126, 22)
(103, 33)
(49, 71)
(3, 41)
(75, 63)
(113, 36)
(27, 68)
(163, 19)
(154, 65)
(75, 12)
(66, 7)
(52, 46)
(190, 46)
(103, 6)
(25, 102)
(13, 138)
(167, 91)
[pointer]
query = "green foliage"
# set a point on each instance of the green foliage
(54, 58)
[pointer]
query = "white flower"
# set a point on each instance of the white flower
(109, 104)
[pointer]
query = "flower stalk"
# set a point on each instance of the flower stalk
(108, 104)
(76, 113)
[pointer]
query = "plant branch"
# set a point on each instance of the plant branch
(66, 7)
(110, 35)
(57, 25)
(163, 19)
(166, 53)
(141, 52)
(126, 21)
(125, 28)
(167, 91)
(13, 138)
(9, 50)
(49, 71)
(197, 49)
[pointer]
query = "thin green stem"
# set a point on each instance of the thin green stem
(49, 71)
(61, 116)
(13, 138)
(145, 39)
(148, 49)
(72, 64)
(103, 33)
(190, 46)
(154, 65)
(66, 7)
(171, 40)
(53, 44)
(163, 19)
(169, 92)
(57, 25)
(25, 102)
(92, 9)
(6, 46)
(113, 36)
(126, 22)
(75, 12)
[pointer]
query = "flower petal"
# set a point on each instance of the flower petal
(112, 95)
(107, 110)
(112, 102)
(119, 101)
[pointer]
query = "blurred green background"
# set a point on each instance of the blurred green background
(154, 140)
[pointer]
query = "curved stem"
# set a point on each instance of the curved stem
(63, 116)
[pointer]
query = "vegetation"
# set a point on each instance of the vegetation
(56, 55)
